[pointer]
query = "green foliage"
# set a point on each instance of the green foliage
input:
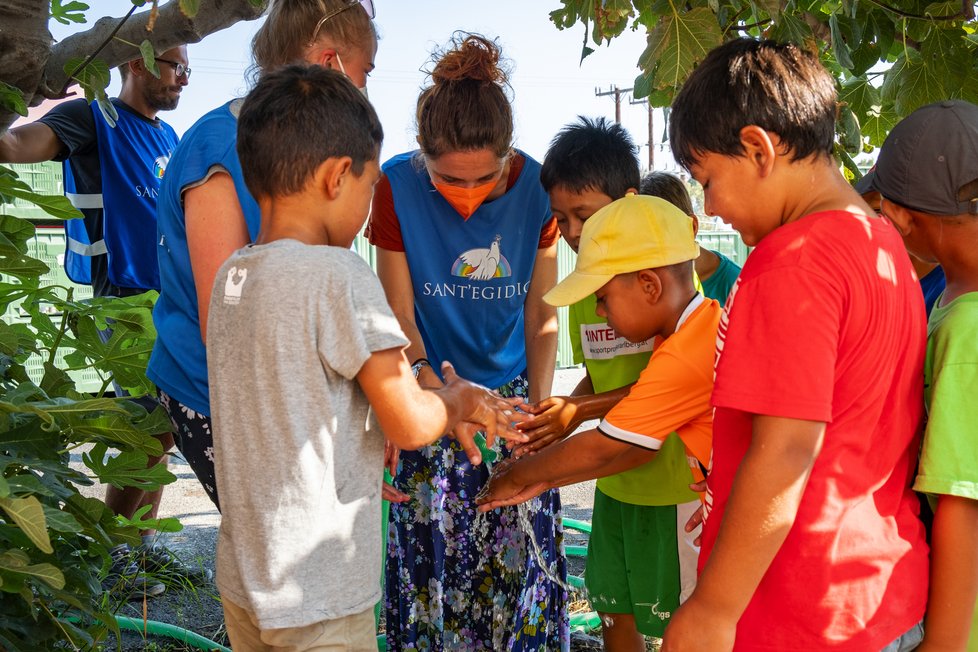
(189, 7)
(54, 541)
(72, 12)
(888, 58)
(93, 77)
(10, 96)
(149, 58)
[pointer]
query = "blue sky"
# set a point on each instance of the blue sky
(550, 84)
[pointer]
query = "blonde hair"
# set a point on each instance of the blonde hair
(287, 33)
(466, 107)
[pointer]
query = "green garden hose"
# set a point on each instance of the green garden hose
(585, 622)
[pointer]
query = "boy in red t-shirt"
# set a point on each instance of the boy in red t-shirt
(811, 539)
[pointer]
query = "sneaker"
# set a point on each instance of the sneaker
(125, 578)
(160, 560)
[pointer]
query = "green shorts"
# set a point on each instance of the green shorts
(640, 561)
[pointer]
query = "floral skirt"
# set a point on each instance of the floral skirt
(460, 580)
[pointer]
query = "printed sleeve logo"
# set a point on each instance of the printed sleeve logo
(233, 286)
(482, 264)
(159, 166)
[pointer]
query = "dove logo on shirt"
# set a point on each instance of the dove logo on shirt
(482, 264)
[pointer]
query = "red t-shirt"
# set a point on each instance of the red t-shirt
(384, 229)
(826, 323)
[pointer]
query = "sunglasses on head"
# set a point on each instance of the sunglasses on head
(368, 6)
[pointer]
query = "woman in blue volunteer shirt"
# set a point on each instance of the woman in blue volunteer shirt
(466, 248)
(205, 212)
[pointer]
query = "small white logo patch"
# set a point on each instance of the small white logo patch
(233, 287)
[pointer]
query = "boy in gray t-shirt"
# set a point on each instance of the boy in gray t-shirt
(301, 345)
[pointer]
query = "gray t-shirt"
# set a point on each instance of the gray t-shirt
(298, 459)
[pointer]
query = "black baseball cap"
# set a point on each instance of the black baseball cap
(928, 159)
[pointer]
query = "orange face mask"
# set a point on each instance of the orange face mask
(465, 200)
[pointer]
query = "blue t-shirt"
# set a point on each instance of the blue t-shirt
(932, 285)
(179, 361)
(470, 276)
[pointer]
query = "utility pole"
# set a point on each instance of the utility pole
(617, 92)
(651, 136)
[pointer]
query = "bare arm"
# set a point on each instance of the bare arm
(558, 416)
(31, 143)
(392, 269)
(216, 228)
(540, 325)
(763, 504)
(578, 458)
(953, 575)
(585, 386)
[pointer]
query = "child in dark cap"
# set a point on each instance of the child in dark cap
(927, 174)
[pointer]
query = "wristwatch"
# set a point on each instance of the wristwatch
(418, 365)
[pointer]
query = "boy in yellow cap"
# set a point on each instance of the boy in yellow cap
(636, 255)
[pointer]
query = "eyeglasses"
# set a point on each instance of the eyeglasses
(178, 68)
(367, 5)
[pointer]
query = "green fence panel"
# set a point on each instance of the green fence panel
(49, 247)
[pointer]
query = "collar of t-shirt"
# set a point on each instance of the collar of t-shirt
(515, 167)
(693, 304)
(128, 109)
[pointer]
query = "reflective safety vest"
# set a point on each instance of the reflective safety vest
(133, 156)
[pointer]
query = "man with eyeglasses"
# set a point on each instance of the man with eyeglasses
(112, 174)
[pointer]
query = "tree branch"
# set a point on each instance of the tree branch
(24, 43)
(30, 62)
(172, 28)
(744, 28)
(94, 54)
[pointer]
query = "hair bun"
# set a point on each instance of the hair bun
(469, 57)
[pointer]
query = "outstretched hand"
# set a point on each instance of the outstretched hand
(483, 411)
(553, 419)
(502, 488)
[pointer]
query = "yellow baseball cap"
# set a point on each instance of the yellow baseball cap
(633, 233)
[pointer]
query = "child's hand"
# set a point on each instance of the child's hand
(482, 410)
(696, 519)
(389, 493)
(392, 455)
(554, 418)
(502, 489)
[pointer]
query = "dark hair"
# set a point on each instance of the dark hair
(777, 87)
(592, 153)
(296, 118)
(287, 33)
(466, 107)
(668, 187)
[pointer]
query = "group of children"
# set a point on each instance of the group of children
(800, 399)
